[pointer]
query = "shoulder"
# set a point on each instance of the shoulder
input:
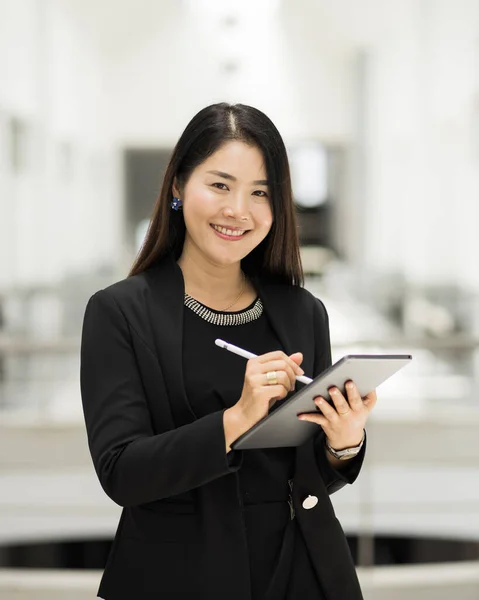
(136, 301)
(302, 298)
(127, 289)
(121, 294)
(315, 304)
(124, 306)
(137, 289)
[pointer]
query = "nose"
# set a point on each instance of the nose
(237, 207)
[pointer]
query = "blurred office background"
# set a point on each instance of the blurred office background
(378, 103)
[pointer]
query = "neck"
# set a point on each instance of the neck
(210, 283)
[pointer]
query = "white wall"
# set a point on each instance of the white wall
(422, 146)
(177, 69)
(52, 222)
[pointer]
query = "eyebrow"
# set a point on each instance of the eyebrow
(232, 178)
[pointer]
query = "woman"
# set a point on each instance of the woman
(163, 404)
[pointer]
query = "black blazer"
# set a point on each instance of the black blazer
(181, 531)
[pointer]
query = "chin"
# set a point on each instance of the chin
(227, 258)
(226, 261)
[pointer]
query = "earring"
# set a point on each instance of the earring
(176, 204)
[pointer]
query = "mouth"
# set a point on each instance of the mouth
(229, 233)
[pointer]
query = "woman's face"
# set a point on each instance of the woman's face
(226, 204)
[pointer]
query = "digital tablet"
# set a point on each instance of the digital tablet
(281, 427)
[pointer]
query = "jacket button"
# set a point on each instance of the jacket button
(310, 502)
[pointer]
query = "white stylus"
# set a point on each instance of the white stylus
(246, 354)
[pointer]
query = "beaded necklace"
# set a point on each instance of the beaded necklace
(217, 317)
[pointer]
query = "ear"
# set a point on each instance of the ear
(176, 189)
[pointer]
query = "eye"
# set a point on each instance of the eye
(218, 183)
(262, 192)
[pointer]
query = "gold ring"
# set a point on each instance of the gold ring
(344, 413)
(271, 377)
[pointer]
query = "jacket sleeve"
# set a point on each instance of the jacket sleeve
(134, 465)
(333, 479)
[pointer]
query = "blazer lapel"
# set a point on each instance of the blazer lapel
(291, 324)
(166, 313)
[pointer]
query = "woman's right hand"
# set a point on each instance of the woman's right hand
(258, 395)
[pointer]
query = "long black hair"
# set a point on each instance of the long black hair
(277, 257)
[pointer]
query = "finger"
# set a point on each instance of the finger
(295, 361)
(282, 379)
(354, 397)
(340, 402)
(279, 355)
(273, 392)
(275, 355)
(312, 418)
(278, 366)
(370, 400)
(325, 407)
(297, 358)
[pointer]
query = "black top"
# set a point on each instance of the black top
(213, 381)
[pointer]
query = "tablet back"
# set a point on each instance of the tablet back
(281, 427)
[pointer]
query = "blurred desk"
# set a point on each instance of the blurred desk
(421, 477)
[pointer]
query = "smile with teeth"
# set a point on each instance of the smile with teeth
(230, 232)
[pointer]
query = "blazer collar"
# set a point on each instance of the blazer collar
(167, 288)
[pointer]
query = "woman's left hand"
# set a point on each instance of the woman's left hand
(344, 422)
